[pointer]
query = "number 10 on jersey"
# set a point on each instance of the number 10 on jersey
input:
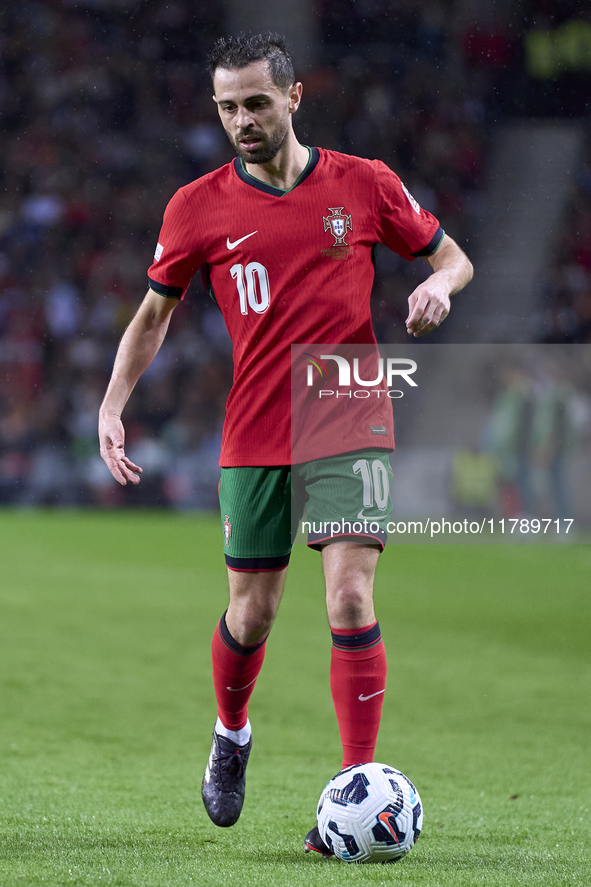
(253, 287)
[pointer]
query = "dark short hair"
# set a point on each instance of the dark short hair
(244, 49)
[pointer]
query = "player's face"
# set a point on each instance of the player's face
(254, 112)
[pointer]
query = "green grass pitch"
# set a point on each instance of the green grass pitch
(106, 709)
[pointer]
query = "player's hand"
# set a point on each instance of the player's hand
(428, 306)
(112, 440)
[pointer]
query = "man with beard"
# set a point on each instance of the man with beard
(283, 239)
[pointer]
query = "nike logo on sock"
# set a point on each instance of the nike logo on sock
(365, 698)
(238, 689)
(231, 245)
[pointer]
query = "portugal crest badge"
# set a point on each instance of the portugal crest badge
(227, 530)
(338, 224)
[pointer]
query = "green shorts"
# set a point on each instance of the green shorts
(346, 496)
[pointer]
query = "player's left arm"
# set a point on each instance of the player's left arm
(429, 304)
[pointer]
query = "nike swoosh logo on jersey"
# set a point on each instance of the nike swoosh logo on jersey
(363, 698)
(238, 689)
(231, 245)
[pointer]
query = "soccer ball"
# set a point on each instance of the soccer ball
(370, 813)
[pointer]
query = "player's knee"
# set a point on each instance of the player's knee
(258, 626)
(348, 602)
(252, 623)
(254, 601)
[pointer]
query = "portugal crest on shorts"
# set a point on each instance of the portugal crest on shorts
(338, 224)
(227, 530)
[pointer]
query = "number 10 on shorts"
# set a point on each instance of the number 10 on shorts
(376, 483)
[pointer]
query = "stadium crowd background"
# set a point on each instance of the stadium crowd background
(106, 110)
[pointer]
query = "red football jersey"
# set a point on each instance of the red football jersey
(288, 267)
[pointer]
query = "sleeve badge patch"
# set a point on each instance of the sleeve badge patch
(411, 199)
(158, 253)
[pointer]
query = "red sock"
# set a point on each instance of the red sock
(235, 670)
(357, 681)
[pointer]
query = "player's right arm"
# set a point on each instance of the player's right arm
(137, 349)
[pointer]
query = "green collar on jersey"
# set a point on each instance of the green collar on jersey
(271, 189)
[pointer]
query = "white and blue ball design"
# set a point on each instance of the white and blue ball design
(370, 813)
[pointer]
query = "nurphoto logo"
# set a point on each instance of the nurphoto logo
(389, 369)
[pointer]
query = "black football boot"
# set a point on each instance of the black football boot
(223, 785)
(313, 841)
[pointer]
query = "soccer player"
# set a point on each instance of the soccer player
(283, 238)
